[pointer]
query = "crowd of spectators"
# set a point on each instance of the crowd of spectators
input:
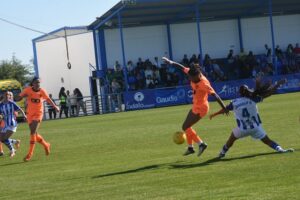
(147, 74)
(70, 104)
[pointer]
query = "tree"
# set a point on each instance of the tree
(14, 69)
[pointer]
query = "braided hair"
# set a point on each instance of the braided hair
(194, 69)
(261, 89)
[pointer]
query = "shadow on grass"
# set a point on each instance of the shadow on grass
(141, 169)
(183, 166)
(214, 160)
(14, 163)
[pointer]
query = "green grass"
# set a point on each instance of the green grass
(131, 155)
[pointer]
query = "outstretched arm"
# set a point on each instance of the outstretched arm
(222, 111)
(18, 98)
(23, 113)
(171, 62)
(221, 103)
(53, 104)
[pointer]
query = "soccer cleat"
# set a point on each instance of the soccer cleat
(27, 158)
(47, 149)
(17, 145)
(12, 153)
(202, 147)
(288, 150)
(221, 155)
(189, 151)
(1, 153)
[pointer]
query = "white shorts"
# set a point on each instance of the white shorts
(255, 133)
(9, 128)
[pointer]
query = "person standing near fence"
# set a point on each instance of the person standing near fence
(63, 102)
(80, 102)
(51, 109)
(73, 104)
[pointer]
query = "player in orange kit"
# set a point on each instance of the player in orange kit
(35, 97)
(201, 89)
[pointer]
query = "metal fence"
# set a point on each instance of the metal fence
(90, 105)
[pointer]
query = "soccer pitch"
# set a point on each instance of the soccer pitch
(131, 155)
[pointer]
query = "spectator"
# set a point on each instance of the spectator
(193, 59)
(157, 63)
(115, 86)
(242, 54)
(73, 104)
(185, 60)
(68, 102)
(149, 71)
(297, 54)
(51, 109)
(117, 65)
(63, 102)
(268, 54)
(130, 66)
(140, 64)
(290, 56)
(230, 57)
(268, 70)
(278, 53)
(219, 74)
(149, 82)
(80, 102)
(206, 60)
(251, 60)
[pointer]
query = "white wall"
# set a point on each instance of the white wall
(257, 32)
(52, 63)
(145, 42)
(217, 38)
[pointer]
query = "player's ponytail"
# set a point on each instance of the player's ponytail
(261, 89)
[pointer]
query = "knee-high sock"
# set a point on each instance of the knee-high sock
(32, 143)
(9, 145)
(1, 147)
(189, 138)
(193, 135)
(13, 141)
(41, 140)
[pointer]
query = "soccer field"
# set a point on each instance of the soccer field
(131, 155)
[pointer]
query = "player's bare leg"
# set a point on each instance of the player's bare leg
(191, 134)
(228, 144)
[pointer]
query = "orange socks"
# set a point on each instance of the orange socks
(41, 140)
(32, 143)
(191, 136)
(1, 148)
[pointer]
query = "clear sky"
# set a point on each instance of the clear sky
(45, 16)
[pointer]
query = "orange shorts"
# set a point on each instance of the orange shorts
(34, 117)
(201, 111)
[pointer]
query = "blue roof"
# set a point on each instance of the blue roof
(156, 12)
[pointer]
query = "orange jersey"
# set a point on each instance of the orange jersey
(201, 90)
(34, 100)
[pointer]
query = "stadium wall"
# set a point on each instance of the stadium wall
(217, 38)
(52, 63)
(153, 98)
(256, 32)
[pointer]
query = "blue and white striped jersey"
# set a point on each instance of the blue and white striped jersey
(246, 112)
(8, 110)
